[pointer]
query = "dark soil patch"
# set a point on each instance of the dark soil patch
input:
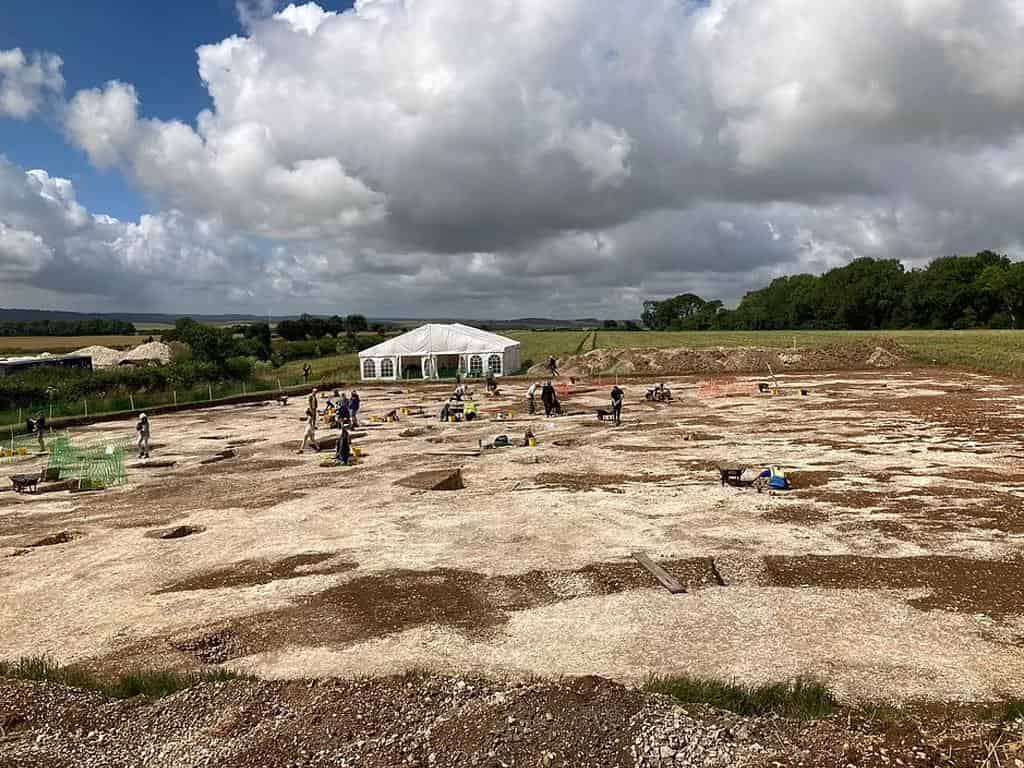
(985, 475)
(248, 573)
(626, 448)
(63, 537)
(178, 532)
(595, 481)
(801, 514)
(958, 584)
(945, 507)
(380, 604)
(434, 480)
(810, 478)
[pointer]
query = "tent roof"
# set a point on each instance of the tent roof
(439, 339)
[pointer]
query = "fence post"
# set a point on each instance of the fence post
(86, 408)
(278, 385)
(175, 392)
(19, 415)
(12, 439)
(131, 401)
(209, 388)
(51, 411)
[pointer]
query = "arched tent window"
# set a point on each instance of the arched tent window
(494, 364)
(369, 369)
(476, 366)
(387, 369)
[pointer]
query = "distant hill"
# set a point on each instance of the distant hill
(154, 317)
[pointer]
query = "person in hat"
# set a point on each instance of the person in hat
(142, 428)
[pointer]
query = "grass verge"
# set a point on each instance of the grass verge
(153, 684)
(802, 698)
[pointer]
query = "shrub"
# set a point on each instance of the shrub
(239, 368)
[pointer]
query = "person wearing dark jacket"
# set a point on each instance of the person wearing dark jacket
(547, 396)
(344, 450)
(353, 408)
(617, 396)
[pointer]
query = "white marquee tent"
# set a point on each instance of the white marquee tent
(434, 350)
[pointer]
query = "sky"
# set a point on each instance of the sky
(494, 159)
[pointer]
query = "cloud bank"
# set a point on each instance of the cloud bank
(566, 157)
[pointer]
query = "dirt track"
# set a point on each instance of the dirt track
(894, 569)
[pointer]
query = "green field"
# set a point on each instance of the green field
(34, 345)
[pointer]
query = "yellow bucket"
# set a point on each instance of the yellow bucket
(511, 414)
(451, 419)
(533, 442)
(357, 452)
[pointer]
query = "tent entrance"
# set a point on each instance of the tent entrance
(447, 366)
(412, 367)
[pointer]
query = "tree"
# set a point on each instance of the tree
(356, 324)
(610, 325)
(1006, 283)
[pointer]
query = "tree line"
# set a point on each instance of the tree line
(953, 292)
(98, 326)
(311, 327)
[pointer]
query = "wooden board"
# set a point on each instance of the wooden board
(664, 577)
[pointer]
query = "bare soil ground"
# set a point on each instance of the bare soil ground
(894, 570)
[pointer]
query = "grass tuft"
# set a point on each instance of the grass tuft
(152, 684)
(1013, 709)
(802, 698)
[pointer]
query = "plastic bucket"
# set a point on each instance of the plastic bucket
(533, 442)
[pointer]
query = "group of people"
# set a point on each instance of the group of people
(344, 414)
(343, 410)
(548, 397)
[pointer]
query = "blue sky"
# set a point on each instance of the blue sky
(147, 43)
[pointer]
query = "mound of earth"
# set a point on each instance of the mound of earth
(441, 722)
(102, 357)
(653, 361)
(150, 352)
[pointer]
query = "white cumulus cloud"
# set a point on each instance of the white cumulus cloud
(27, 81)
(566, 156)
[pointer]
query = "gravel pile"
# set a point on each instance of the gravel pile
(102, 357)
(439, 721)
(879, 353)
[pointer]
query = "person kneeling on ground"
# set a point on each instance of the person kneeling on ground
(344, 451)
(142, 428)
(309, 436)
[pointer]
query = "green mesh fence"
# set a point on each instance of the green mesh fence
(21, 447)
(96, 465)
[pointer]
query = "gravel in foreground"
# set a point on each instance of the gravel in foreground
(429, 720)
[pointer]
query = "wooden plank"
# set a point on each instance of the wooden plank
(664, 577)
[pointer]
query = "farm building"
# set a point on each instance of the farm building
(440, 351)
(10, 365)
